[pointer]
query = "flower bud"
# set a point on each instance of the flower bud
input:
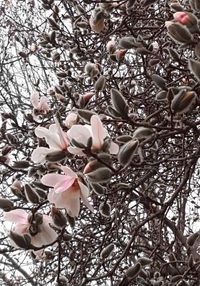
(123, 138)
(181, 17)
(119, 102)
(111, 46)
(92, 165)
(85, 98)
(97, 21)
(23, 241)
(179, 32)
(55, 156)
(70, 220)
(161, 96)
(145, 261)
(159, 81)
(6, 204)
(143, 132)
(192, 238)
(133, 271)
(100, 84)
(127, 152)
(58, 217)
(31, 195)
(67, 237)
(38, 217)
(127, 43)
(49, 255)
(98, 189)
(194, 67)
(187, 19)
(85, 114)
(55, 56)
(21, 164)
(91, 69)
(107, 251)
(105, 209)
(148, 2)
(183, 101)
(100, 175)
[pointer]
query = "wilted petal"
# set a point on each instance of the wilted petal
(98, 132)
(39, 154)
(114, 148)
(17, 216)
(35, 99)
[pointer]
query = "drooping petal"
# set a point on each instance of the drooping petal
(73, 207)
(34, 98)
(39, 154)
(52, 180)
(98, 132)
(84, 194)
(114, 148)
(79, 133)
(69, 172)
(22, 228)
(46, 236)
(17, 216)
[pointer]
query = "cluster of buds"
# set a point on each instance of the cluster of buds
(182, 27)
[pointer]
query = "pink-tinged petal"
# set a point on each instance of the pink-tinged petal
(114, 148)
(44, 103)
(47, 219)
(75, 150)
(98, 132)
(79, 133)
(39, 154)
(84, 194)
(35, 99)
(17, 216)
(69, 172)
(22, 228)
(73, 207)
(52, 180)
(84, 189)
(45, 237)
(61, 187)
(62, 135)
(41, 132)
(69, 199)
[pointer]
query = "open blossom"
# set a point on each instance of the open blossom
(45, 234)
(81, 133)
(55, 137)
(68, 189)
(39, 103)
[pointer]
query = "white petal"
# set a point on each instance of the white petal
(39, 154)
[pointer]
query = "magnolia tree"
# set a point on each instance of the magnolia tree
(99, 142)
